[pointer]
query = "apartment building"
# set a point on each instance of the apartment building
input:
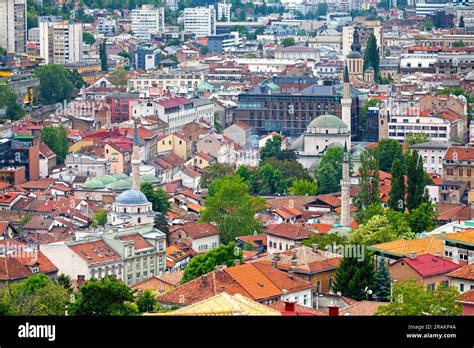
(147, 21)
(13, 31)
(60, 41)
(458, 164)
(172, 82)
(200, 21)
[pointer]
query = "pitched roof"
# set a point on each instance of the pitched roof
(8, 197)
(95, 251)
(363, 308)
(467, 297)
(20, 266)
(466, 272)
(288, 212)
(140, 241)
(429, 265)
(289, 231)
(205, 156)
(173, 102)
(299, 309)
(254, 239)
(466, 237)
(40, 184)
(200, 230)
(46, 151)
(297, 202)
(242, 125)
(428, 245)
(464, 153)
(154, 283)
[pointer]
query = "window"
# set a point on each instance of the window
(461, 172)
(463, 255)
(444, 283)
(280, 247)
(430, 287)
(461, 287)
(448, 253)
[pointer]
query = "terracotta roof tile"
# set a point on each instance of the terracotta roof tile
(140, 241)
(428, 245)
(466, 237)
(466, 272)
(464, 153)
(200, 230)
(86, 251)
(362, 308)
(429, 265)
(299, 309)
(289, 231)
(467, 296)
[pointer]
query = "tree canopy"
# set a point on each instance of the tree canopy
(329, 172)
(119, 77)
(205, 263)
(387, 151)
(55, 84)
(372, 56)
(55, 137)
(157, 197)
(303, 188)
(99, 218)
(8, 101)
(215, 171)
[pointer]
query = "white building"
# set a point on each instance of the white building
(173, 82)
(432, 153)
(60, 41)
(223, 12)
(200, 21)
(106, 26)
(148, 21)
(13, 25)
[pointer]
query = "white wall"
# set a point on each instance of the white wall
(206, 242)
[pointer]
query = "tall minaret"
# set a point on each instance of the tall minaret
(345, 190)
(136, 160)
(346, 103)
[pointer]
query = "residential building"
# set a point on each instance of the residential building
(147, 21)
(432, 153)
(201, 237)
(147, 56)
(239, 132)
(106, 26)
(223, 43)
(218, 146)
(60, 41)
(462, 278)
(284, 236)
(85, 165)
(20, 151)
(13, 25)
(428, 270)
(201, 160)
(298, 53)
(47, 160)
(120, 106)
(179, 144)
(223, 12)
(200, 21)
(170, 82)
(458, 165)
(175, 111)
(119, 156)
(459, 247)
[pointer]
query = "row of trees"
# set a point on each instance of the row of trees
(38, 295)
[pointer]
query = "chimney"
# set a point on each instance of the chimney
(438, 253)
(291, 274)
(204, 280)
(412, 255)
(81, 279)
(333, 310)
(294, 263)
(289, 306)
(237, 262)
(293, 254)
(315, 247)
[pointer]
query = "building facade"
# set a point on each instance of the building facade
(60, 41)
(200, 21)
(13, 33)
(148, 20)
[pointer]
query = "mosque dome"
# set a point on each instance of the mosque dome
(107, 179)
(93, 184)
(121, 176)
(121, 184)
(327, 122)
(355, 55)
(132, 197)
(149, 178)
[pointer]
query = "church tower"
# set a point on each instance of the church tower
(136, 160)
(346, 103)
(345, 190)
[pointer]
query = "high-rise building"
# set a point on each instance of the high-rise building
(60, 41)
(223, 12)
(200, 21)
(13, 25)
(148, 20)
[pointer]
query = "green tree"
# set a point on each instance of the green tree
(76, 79)
(461, 22)
(271, 149)
(382, 282)
(416, 138)
(387, 151)
(8, 101)
(157, 197)
(375, 231)
(329, 172)
(428, 23)
(3, 52)
(99, 218)
(213, 172)
(399, 224)
(372, 56)
(368, 182)
(303, 188)
(364, 111)
(161, 223)
(146, 302)
(230, 206)
(268, 180)
(458, 44)
(417, 180)
(324, 241)
(65, 281)
(370, 211)
(290, 169)
(411, 298)
(55, 137)
(205, 263)
(354, 276)
(396, 200)
(55, 84)
(423, 218)
(88, 38)
(119, 77)
(36, 295)
(104, 297)
(288, 41)
(103, 56)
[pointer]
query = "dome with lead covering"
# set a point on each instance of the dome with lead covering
(107, 179)
(121, 176)
(327, 122)
(132, 197)
(149, 178)
(93, 184)
(121, 184)
(355, 55)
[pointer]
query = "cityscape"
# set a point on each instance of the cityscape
(236, 158)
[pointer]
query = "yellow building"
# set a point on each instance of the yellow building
(179, 144)
(119, 157)
(201, 160)
(223, 304)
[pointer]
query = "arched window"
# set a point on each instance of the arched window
(139, 220)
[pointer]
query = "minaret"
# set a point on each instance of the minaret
(399, 82)
(136, 160)
(345, 190)
(346, 103)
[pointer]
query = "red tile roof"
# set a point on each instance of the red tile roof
(466, 272)
(173, 102)
(467, 297)
(242, 125)
(86, 251)
(289, 231)
(205, 156)
(16, 267)
(46, 151)
(9, 197)
(254, 239)
(288, 212)
(140, 241)
(299, 309)
(464, 153)
(200, 230)
(330, 200)
(428, 265)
